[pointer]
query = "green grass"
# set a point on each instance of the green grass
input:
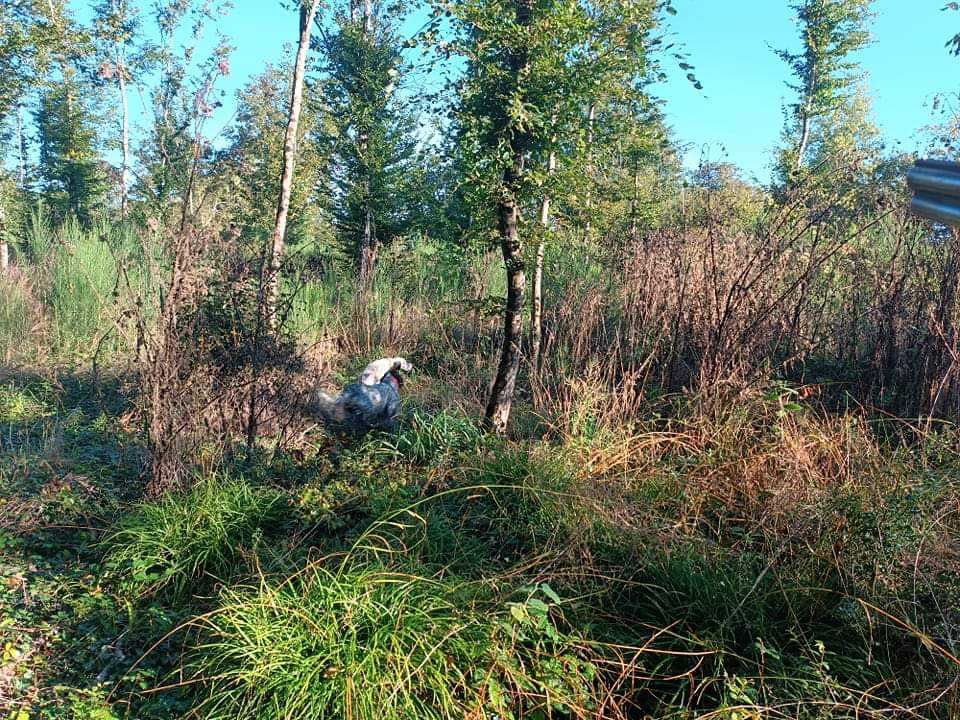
(17, 318)
(375, 643)
(184, 542)
(83, 280)
(432, 439)
(75, 276)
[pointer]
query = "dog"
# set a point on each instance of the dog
(364, 406)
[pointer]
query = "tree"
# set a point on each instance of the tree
(275, 255)
(370, 132)
(496, 122)
(116, 24)
(71, 169)
(533, 70)
(33, 35)
(183, 97)
(825, 75)
(250, 167)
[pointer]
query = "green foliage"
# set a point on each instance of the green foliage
(17, 319)
(180, 543)
(432, 439)
(826, 78)
(183, 97)
(71, 171)
(83, 279)
(369, 131)
(250, 166)
(577, 57)
(34, 34)
(370, 642)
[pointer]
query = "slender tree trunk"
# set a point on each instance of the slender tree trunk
(367, 16)
(804, 138)
(536, 305)
(119, 10)
(806, 112)
(368, 241)
(4, 248)
(368, 248)
(21, 148)
(508, 211)
(591, 116)
(635, 205)
(508, 214)
(269, 298)
(307, 15)
(124, 141)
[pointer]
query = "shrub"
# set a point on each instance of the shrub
(431, 438)
(372, 643)
(170, 544)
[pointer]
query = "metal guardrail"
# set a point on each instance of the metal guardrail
(936, 188)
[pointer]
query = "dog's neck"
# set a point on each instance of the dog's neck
(392, 378)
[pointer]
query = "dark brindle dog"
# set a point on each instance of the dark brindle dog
(361, 407)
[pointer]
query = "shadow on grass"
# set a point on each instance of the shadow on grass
(68, 469)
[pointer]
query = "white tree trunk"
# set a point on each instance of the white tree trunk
(4, 248)
(591, 116)
(307, 15)
(536, 305)
(124, 143)
(21, 148)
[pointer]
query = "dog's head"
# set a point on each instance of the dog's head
(393, 378)
(393, 375)
(401, 364)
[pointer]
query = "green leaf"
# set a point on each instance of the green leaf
(550, 593)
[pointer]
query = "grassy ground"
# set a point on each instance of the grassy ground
(759, 550)
(772, 562)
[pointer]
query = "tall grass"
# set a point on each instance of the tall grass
(18, 318)
(184, 541)
(75, 280)
(374, 643)
(83, 285)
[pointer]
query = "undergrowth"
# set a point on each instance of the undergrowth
(373, 642)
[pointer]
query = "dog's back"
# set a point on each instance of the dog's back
(376, 371)
(360, 408)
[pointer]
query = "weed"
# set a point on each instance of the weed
(369, 642)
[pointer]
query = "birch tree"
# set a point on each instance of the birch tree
(308, 11)
(532, 69)
(824, 71)
(115, 26)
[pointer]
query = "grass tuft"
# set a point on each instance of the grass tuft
(372, 643)
(181, 540)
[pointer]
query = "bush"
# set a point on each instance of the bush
(82, 283)
(371, 643)
(429, 439)
(171, 544)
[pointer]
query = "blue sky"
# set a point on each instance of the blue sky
(737, 117)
